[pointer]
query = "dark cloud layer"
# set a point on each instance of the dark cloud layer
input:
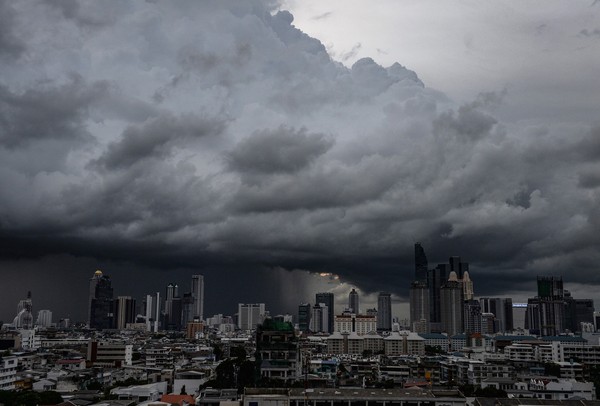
(155, 141)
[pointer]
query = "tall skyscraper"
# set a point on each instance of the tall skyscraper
(502, 309)
(124, 311)
(456, 265)
(546, 312)
(153, 311)
(419, 307)
(198, 295)
(304, 314)
(318, 319)
(101, 302)
(187, 309)
(172, 308)
(451, 298)
(435, 279)
(472, 316)
(24, 318)
(250, 315)
(467, 284)
(353, 302)
(384, 311)
(420, 263)
(328, 299)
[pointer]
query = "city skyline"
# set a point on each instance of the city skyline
(257, 147)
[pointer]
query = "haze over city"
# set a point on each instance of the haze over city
(285, 148)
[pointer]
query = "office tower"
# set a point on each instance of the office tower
(419, 307)
(250, 315)
(304, 314)
(172, 308)
(472, 316)
(502, 309)
(328, 299)
(24, 318)
(546, 312)
(459, 267)
(596, 321)
(101, 302)
(451, 305)
(519, 315)
(384, 311)
(577, 311)
(187, 308)
(318, 320)
(420, 263)
(152, 312)
(353, 301)
(467, 286)
(198, 294)
(435, 279)
(44, 318)
(124, 311)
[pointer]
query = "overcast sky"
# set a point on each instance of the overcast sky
(262, 147)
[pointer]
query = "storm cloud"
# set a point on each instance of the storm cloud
(216, 137)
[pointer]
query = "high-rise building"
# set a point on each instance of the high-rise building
(419, 307)
(577, 311)
(353, 302)
(384, 311)
(420, 263)
(451, 298)
(456, 265)
(101, 302)
(44, 318)
(467, 284)
(124, 311)
(328, 299)
(502, 309)
(153, 311)
(172, 308)
(304, 313)
(546, 312)
(198, 295)
(187, 309)
(472, 316)
(24, 318)
(250, 315)
(318, 320)
(436, 278)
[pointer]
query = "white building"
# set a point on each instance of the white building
(250, 315)
(8, 372)
(44, 318)
(358, 323)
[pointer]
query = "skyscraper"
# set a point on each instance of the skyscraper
(419, 307)
(467, 284)
(546, 312)
(318, 319)
(198, 295)
(451, 305)
(328, 299)
(420, 263)
(384, 311)
(44, 318)
(304, 314)
(472, 316)
(124, 311)
(172, 308)
(250, 315)
(101, 302)
(435, 279)
(502, 309)
(353, 301)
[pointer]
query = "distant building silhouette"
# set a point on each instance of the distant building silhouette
(384, 311)
(353, 302)
(421, 265)
(101, 302)
(304, 314)
(329, 300)
(451, 299)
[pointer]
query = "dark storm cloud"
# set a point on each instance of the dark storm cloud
(215, 136)
(46, 112)
(155, 139)
(10, 44)
(283, 150)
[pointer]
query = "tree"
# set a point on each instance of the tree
(490, 392)
(50, 398)
(183, 392)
